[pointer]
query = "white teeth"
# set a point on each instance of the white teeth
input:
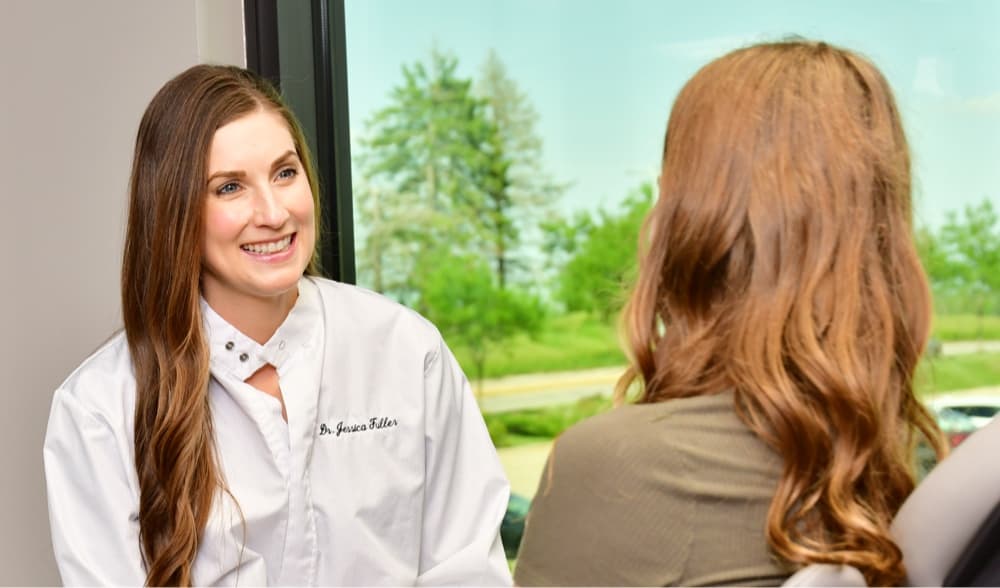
(267, 248)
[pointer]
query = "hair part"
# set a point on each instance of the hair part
(175, 455)
(779, 263)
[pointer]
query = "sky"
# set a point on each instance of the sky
(602, 75)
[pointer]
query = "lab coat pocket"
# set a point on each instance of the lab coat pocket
(368, 485)
(373, 464)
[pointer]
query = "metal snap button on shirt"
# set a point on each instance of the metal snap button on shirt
(229, 345)
(244, 357)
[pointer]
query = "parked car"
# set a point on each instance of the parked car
(981, 408)
(958, 415)
(955, 424)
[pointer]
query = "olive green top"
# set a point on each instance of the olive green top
(673, 493)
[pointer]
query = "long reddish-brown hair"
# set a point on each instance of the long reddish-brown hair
(179, 476)
(779, 263)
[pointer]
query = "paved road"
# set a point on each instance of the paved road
(963, 347)
(538, 390)
(524, 464)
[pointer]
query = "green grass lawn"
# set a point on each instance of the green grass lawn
(567, 342)
(577, 341)
(965, 327)
(958, 372)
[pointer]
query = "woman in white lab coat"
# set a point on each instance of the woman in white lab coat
(254, 423)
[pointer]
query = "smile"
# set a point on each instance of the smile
(269, 247)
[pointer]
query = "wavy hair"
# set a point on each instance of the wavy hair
(175, 457)
(779, 263)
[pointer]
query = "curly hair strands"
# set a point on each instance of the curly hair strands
(179, 476)
(779, 263)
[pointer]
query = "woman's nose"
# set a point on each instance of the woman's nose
(269, 210)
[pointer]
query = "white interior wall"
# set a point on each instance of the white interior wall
(76, 77)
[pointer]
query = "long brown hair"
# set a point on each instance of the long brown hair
(175, 457)
(779, 263)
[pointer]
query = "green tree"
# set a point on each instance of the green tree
(499, 232)
(939, 268)
(597, 255)
(941, 272)
(389, 228)
(444, 167)
(459, 295)
(518, 189)
(970, 244)
(421, 161)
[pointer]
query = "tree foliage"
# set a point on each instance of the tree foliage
(962, 259)
(422, 159)
(444, 164)
(596, 254)
(429, 139)
(460, 295)
(519, 189)
(443, 192)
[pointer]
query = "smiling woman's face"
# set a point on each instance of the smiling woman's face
(259, 215)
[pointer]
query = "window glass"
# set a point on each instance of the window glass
(504, 153)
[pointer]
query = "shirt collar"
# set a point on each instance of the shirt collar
(235, 354)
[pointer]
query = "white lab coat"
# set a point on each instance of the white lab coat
(384, 473)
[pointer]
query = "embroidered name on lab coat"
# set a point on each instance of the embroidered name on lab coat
(372, 424)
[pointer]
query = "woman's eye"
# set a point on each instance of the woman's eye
(228, 188)
(287, 173)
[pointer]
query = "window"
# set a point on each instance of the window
(501, 156)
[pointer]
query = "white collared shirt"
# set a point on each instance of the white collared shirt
(384, 473)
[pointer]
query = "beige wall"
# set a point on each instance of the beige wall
(74, 79)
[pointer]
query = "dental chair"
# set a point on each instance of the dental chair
(948, 528)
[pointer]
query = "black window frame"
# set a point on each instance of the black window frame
(327, 122)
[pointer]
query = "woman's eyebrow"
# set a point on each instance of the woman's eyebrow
(226, 174)
(285, 157)
(291, 153)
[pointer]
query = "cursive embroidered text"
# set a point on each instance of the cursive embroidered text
(372, 424)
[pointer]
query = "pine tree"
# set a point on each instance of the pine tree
(519, 192)
(421, 162)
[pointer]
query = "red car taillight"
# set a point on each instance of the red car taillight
(957, 437)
